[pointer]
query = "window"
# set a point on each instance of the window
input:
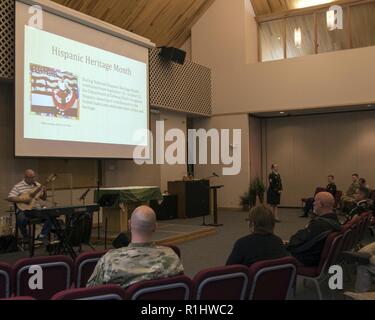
(272, 40)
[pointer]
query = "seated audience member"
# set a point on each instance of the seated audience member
(261, 244)
(348, 199)
(363, 183)
(331, 188)
(363, 203)
(307, 244)
(366, 266)
(141, 260)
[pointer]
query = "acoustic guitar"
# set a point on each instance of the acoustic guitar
(34, 195)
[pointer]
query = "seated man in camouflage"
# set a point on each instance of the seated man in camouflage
(364, 204)
(141, 260)
(348, 201)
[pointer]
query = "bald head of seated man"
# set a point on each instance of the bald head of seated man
(141, 260)
(324, 203)
(308, 243)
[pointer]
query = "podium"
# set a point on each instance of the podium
(119, 203)
(193, 197)
(214, 190)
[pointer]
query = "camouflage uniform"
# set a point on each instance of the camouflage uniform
(137, 262)
(348, 200)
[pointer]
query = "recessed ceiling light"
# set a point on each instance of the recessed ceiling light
(282, 112)
(369, 105)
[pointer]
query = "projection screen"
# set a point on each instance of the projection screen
(82, 86)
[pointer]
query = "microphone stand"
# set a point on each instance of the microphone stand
(84, 195)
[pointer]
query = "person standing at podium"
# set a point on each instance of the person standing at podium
(274, 191)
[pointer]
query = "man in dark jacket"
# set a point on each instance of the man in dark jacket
(307, 244)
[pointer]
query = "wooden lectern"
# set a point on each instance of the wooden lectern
(216, 219)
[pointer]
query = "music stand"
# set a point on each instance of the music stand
(216, 223)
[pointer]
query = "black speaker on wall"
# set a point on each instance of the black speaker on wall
(173, 54)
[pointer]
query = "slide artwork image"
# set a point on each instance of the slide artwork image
(54, 93)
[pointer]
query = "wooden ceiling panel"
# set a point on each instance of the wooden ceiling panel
(165, 22)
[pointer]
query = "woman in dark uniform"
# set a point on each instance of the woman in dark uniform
(274, 191)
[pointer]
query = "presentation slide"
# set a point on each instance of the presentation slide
(79, 93)
(82, 85)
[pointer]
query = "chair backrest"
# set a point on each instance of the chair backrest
(347, 234)
(174, 288)
(222, 283)
(84, 266)
(5, 280)
(331, 250)
(272, 279)
(107, 292)
(56, 276)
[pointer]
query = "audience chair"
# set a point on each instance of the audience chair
(222, 283)
(331, 250)
(84, 266)
(107, 292)
(174, 288)
(57, 276)
(5, 280)
(272, 279)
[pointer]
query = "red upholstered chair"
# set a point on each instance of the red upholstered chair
(84, 266)
(107, 292)
(330, 253)
(174, 288)
(222, 283)
(57, 276)
(5, 280)
(272, 279)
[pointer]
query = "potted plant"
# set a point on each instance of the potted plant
(245, 201)
(256, 192)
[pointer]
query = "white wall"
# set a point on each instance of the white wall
(309, 148)
(122, 173)
(220, 40)
(234, 186)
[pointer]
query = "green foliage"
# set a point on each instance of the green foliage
(256, 189)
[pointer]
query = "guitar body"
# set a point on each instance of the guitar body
(34, 195)
(29, 195)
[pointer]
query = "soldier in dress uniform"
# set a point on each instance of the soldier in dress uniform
(274, 190)
(141, 260)
(348, 200)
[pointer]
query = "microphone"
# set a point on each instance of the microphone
(84, 195)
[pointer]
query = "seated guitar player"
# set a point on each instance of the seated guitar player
(17, 195)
